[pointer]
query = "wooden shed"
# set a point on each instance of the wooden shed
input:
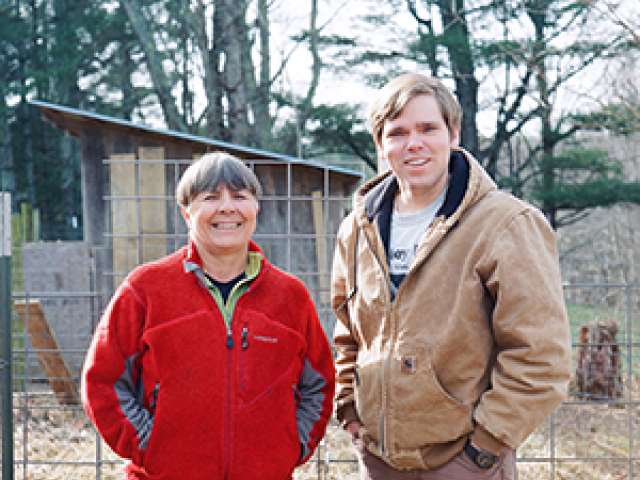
(129, 172)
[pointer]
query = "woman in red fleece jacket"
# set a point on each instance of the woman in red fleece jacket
(211, 363)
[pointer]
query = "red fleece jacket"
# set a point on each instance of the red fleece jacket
(166, 391)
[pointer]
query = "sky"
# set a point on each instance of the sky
(339, 17)
(584, 90)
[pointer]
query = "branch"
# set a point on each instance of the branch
(572, 217)
(305, 105)
(287, 57)
(617, 19)
(502, 134)
(559, 137)
(359, 152)
(411, 5)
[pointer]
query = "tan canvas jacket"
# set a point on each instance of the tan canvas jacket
(476, 341)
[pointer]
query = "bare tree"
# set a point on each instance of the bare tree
(239, 91)
(162, 82)
(545, 46)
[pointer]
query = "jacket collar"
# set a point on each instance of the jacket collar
(378, 201)
(255, 261)
(458, 184)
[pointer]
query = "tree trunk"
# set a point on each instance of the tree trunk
(127, 69)
(250, 89)
(161, 82)
(463, 69)
(304, 109)
(6, 153)
(431, 45)
(262, 98)
(538, 15)
(68, 19)
(234, 36)
(210, 58)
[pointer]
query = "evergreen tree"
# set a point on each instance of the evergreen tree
(48, 48)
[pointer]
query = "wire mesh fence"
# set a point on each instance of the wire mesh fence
(591, 436)
(595, 434)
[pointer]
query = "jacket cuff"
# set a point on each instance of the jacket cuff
(346, 414)
(483, 440)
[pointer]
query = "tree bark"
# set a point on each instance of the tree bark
(234, 38)
(127, 68)
(210, 58)
(463, 69)
(537, 13)
(161, 81)
(6, 153)
(304, 108)
(262, 98)
(185, 77)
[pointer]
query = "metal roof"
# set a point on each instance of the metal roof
(75, 114)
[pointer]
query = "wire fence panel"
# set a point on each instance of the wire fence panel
(594, 435)
(587, 438)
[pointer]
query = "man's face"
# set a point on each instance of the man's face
(222, 221)
(417, 145)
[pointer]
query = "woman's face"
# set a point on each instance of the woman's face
(222, 221)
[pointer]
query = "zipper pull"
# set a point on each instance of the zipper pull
(229, 341)
(245, 338)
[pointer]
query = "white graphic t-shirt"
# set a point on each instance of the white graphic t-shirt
(407, 231)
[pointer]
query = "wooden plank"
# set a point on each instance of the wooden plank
(153, 211)
(321, 246)
(124, 215)
(49, 355)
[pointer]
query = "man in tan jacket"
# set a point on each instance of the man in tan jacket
(452, 337)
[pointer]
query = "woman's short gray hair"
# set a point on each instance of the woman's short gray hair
(210, 172)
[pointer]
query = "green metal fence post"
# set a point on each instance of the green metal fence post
(6, 388)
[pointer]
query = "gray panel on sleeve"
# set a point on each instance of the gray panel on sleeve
(131, 398)
(310, 407)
